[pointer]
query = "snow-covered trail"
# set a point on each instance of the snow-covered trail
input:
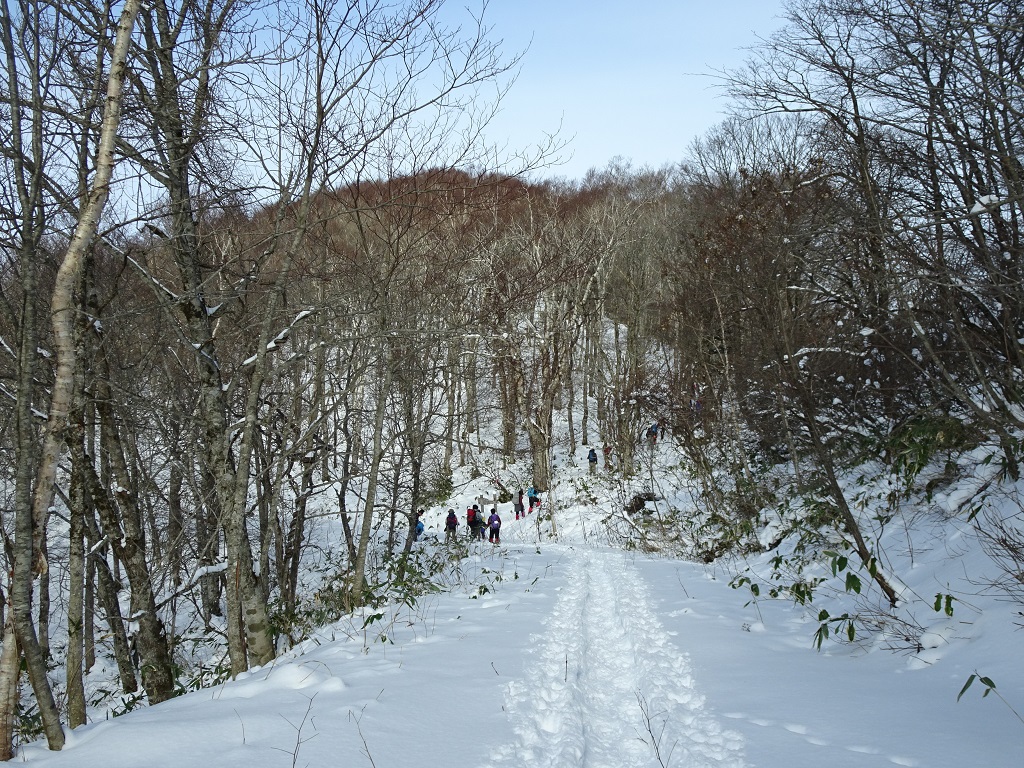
(549, 657)
(606, 687)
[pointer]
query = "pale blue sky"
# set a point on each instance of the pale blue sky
(624, 78)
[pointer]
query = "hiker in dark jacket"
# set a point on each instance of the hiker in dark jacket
(451, 526)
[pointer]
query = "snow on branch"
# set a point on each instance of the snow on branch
(281, 337)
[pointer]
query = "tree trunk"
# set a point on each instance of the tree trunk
(296, 536)
(106, 586)
(538, 419)
(208, 535)
(10, 671)
(175, 522)
(860, 546)
(76, 597)
(451, 384)
(30, 529)
(359, 567)
(89, 629)
(124, 526)
(43, 590)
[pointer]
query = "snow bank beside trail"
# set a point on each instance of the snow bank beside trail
(608, 687)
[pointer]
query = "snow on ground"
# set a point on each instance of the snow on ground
(608, 687)
(571, 654)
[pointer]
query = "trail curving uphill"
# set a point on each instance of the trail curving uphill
(606, 687)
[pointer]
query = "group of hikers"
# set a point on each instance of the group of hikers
(478, 522)
(477, 525)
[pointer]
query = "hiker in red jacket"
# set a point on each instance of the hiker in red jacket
(475, 522)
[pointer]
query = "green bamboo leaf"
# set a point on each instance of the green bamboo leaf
(820, 636)
(852, 583)
(967, 685)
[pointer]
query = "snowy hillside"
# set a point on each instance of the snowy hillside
(569, 652)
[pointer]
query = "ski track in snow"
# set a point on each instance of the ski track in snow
(607, 688)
